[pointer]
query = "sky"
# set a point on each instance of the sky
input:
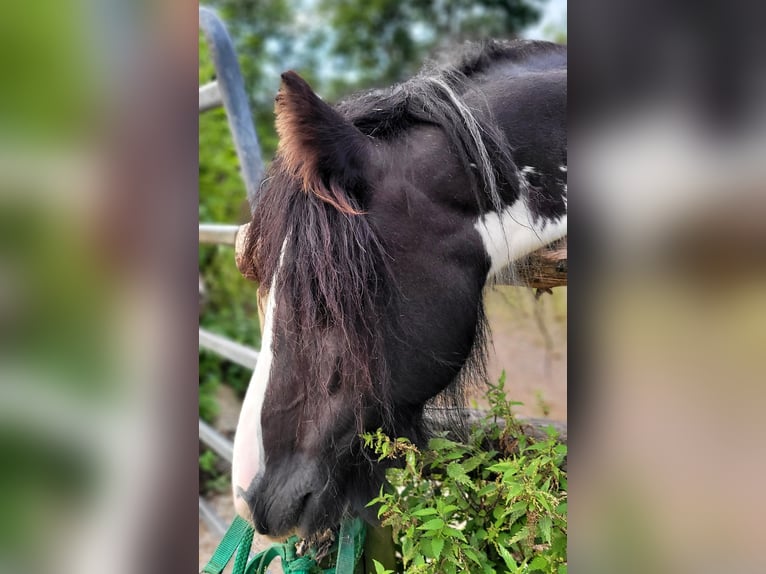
(554, 16)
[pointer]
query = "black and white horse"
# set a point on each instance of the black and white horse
(380, 223)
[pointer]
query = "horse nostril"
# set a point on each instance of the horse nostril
(260, 525)
(304, 501)
(259, 519)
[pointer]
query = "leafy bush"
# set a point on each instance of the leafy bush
(213, 475)
(495, 503)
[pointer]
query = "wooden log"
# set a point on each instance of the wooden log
(544, 269)
(239, 252)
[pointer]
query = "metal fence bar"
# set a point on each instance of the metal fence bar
(232, 88)
(216, 441)
(209, 97)
(240, 354)
(220, 233)
(211, 518)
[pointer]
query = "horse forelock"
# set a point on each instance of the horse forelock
(437, 96)
(334, 276)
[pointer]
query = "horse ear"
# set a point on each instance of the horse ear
(318, 145)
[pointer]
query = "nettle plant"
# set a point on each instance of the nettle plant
(496, 503)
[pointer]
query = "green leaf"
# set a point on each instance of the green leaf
(472, 554)
(454, 533)
(456, 472)
(502, 467)
(471, 463)
(514, 490)
(519, 506)
(487, 489)
(424, 546)
(544, 501)
(522, 534)
(544, 526)
(408, 549)
(433, 524)
(538, 563)
(437, 544)
(507, 558)
(410, 458)
(441, 444)
(424, 512)
(532, 468)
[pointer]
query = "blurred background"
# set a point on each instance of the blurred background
(667, 141)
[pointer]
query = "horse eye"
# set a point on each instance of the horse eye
(334, 385)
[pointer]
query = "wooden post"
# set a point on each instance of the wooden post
(544, 269)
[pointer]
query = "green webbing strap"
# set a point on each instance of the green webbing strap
(240, 562)
(350, 545)
(240, 535)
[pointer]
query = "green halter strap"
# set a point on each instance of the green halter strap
(240, 536)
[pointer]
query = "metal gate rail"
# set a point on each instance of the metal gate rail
(227, 90)
(234, 99)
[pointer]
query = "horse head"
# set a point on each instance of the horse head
(373, 238)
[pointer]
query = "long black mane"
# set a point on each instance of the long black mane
(335, 272)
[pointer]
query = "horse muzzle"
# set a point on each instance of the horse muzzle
(282, 504)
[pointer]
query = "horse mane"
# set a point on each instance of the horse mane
(435, 97)
(337, 273)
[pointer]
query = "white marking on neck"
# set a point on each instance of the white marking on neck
(249, 457)
(511, 234)
(528, 170)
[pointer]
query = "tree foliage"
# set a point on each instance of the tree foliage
(383, 40)
(341, 45)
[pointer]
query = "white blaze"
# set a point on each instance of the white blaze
(511, 234)
(249, 457)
